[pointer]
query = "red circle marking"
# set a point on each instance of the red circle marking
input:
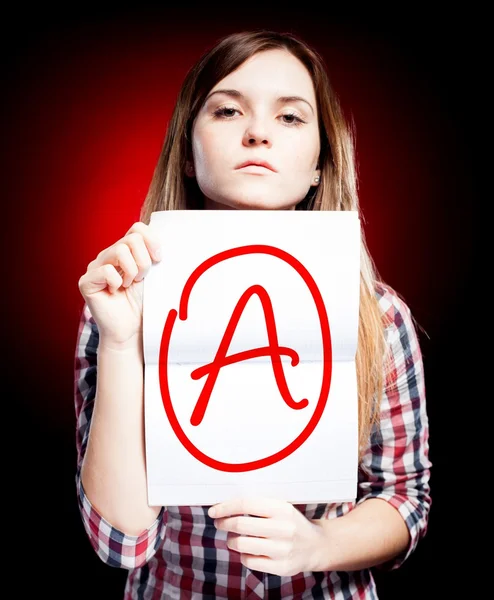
(327, 359)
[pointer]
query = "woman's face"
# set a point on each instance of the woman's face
(264, 112)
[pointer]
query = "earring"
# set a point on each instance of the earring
(317, 179)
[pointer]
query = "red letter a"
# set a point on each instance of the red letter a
(274, 351)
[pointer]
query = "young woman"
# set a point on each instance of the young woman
(264, 99)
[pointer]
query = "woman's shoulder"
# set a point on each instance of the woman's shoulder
(395, 310)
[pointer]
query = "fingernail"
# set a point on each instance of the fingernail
(212, 512)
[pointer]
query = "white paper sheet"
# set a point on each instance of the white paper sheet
(299, 274)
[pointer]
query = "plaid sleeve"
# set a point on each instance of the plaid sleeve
(111, 545)
(396, 465)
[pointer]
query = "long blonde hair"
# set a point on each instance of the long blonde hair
(171, 189)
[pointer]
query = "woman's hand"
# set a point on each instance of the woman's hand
(112, 285)
(274, 538)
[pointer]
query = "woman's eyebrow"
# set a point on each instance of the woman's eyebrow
(281, 99)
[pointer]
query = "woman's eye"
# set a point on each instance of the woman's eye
(292, 119)
(225, 111)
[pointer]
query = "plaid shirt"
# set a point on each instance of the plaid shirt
(182, 555)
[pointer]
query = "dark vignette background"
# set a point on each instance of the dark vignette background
(87, 100)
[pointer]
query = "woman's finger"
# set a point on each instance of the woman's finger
(150, 239)
(140, 254)
(257, 526)
(130, 256)
(98, 279)
(274, 549)
(122, 258)
(258, 506)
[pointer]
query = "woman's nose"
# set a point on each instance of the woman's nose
(257, 134)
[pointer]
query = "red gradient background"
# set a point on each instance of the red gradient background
(87, 105)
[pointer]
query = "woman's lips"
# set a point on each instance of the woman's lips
(256, 162)
(255, 170)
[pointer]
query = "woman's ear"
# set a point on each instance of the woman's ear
(189, 168)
